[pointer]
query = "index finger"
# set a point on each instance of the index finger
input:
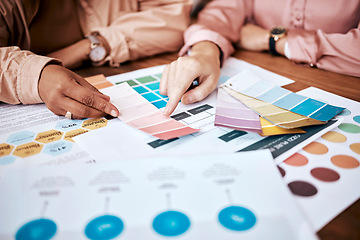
(91, 98)
(83, 82)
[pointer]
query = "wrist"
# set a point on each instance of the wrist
(207, 49)
(99, 48)
(280, 45)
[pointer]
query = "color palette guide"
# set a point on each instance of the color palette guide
(139, 113)
(231, 113)
(249, 84)
(147, 85)
(199, 197)
(325, 175)
(276, 115)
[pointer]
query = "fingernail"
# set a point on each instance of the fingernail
(166, 111)
(113, 113)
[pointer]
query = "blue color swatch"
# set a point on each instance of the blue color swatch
(289, 101)
(154, 86)
(39, 229)
(150, 97)
(273, 94)
(237, 218)
(140, 89)
(159, 104)
(171, 223)
(307, 107)
(104, 227)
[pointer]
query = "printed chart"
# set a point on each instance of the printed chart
(32, 135)
(325, 175)
(109, 143)
(153, 199)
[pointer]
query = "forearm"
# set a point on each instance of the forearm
(208, 50)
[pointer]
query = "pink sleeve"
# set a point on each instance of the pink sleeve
(335, 52)
(219, 22)
(20, 72)
(148, 32)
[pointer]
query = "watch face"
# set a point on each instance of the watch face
(97, 54)
(278, 31)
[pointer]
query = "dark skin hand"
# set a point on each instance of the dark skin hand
(63, 90)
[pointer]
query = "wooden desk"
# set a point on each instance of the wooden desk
(347, 224)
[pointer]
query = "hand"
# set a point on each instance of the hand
(63, 90)
(74, 55)
(204, 64)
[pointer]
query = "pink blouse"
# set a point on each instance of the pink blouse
(323, 33)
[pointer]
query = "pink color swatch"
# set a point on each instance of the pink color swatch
(136, 111)
(232, 113)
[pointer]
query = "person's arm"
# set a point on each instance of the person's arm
(29, 78)
(334, 52)
(203, 64)
(150, 31)
(210, 40)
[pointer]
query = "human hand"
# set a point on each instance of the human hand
(204, 64)
(63, 90)
(74, 55)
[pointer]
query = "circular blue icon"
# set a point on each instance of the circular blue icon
(357, 118)
(104, 227)
(39, 229)
(237, 218)
(171, 223)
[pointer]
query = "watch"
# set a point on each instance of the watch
(275, 34)
(97, 51)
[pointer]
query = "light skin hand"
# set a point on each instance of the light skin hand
(255, 38)
(63, 90)
(204, 64)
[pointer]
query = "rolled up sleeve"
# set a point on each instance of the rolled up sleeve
(20, 72)
(147, 32)
(335, 52)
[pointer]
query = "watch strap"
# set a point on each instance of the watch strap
(272, 47)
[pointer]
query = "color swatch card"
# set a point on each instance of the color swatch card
(325, 175)
(136, 111)
(269, 129)
(99, 81)
(276, 115)
(233, 196)
(249, 84)
(231, 113)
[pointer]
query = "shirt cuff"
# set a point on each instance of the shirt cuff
(28, 78)
(119, 50)
(287, 50)
(207, 35)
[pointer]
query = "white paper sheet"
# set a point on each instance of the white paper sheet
(236, 196)
(330, 170)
